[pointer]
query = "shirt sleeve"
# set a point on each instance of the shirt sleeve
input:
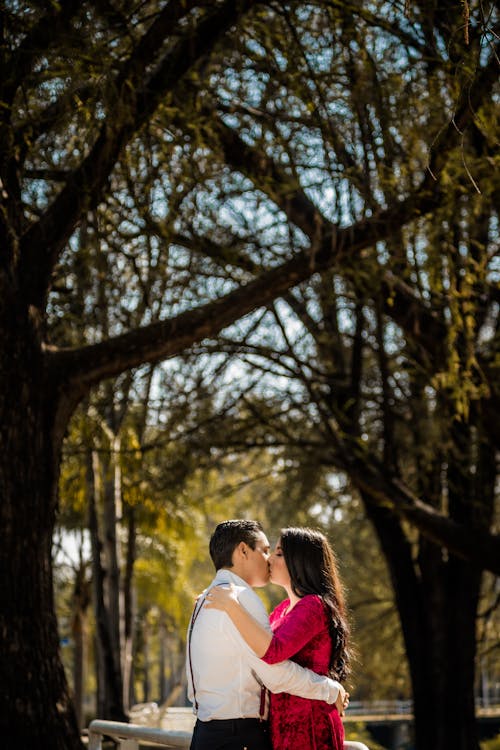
(286, 677)
(306, 620)
(289, 677)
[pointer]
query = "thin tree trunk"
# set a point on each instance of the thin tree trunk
(78, 664)
(109, 692)
(128, 595)
(162, 636)
(111, 555)
(80, 634)
(145, 652)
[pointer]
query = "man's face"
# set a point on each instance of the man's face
(257, 562)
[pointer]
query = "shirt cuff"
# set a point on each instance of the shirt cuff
(333, 690)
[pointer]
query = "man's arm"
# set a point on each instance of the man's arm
(289, 677)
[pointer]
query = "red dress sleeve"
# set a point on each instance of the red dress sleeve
(306, 620)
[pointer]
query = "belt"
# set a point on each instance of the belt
(221, 723)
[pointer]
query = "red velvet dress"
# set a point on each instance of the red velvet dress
(302, 635)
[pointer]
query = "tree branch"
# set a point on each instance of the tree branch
(168, 338)
(400, 302)
(138, 94)
(50, 28)
(30, 129)
(404, 307)
(469, 542)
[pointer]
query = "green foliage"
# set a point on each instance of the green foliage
(493, 744)
(355, 731)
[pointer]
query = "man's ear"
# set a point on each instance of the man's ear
(237, 555)
(242, 550)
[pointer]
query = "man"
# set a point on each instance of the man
(225, 677)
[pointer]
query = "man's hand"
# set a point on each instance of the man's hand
(342, 701)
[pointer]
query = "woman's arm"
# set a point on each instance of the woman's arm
(304, 621)
(226, 599)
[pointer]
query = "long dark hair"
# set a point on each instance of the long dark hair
(313, 570)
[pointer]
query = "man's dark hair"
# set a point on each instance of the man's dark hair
(226, 538)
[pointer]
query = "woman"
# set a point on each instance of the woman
(310, 627)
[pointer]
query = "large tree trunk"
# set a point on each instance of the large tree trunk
(437, 594)
(437, 601)
(35, 707)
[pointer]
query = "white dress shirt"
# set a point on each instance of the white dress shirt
(223, 663)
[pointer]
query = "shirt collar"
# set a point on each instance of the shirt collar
(224, 575)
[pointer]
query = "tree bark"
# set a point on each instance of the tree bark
(437, 610)
(437, 597)
(35, 705)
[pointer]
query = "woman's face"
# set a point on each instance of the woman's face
(278, 568)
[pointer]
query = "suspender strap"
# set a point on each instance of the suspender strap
(194, 617)
(262, 706)
(263, 694)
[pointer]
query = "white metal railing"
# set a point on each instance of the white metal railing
(375, 708)
(129, 735)
(359, 708)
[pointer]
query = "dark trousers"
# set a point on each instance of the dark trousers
(231, 734)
